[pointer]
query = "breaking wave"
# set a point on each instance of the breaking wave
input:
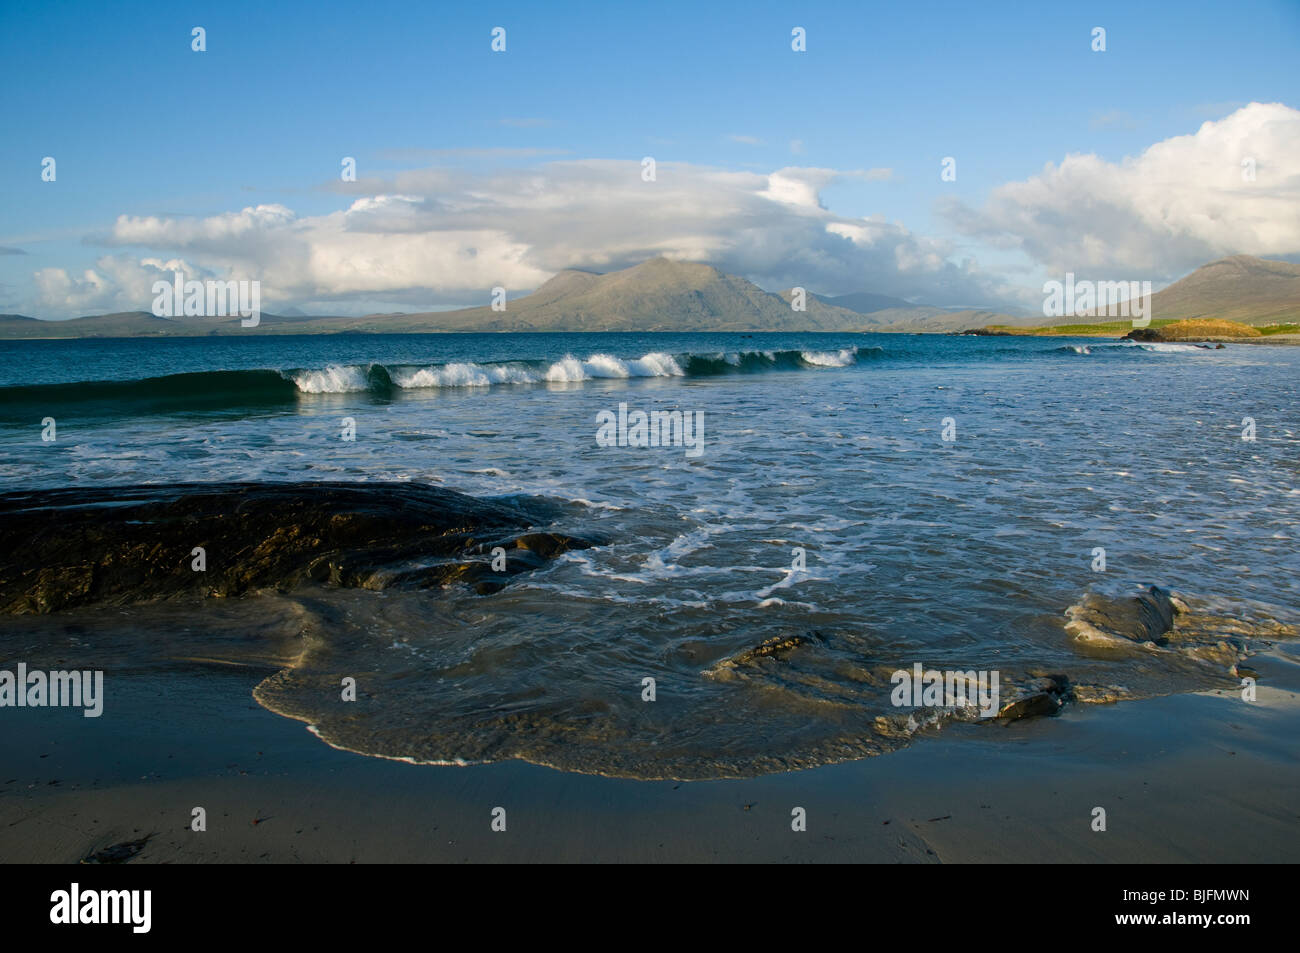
(216, 390)
(567, 370)
(1133, 347)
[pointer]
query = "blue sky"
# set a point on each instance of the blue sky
(142, 126)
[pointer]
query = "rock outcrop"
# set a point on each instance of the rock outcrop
(1143, 621)
(126, 544)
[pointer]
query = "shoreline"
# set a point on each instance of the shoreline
(1281, 339)
(1201, 777)
(1285, 339)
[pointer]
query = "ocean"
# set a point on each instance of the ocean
(838, 508)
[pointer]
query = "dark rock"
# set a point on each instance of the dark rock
(1155, 612)
(777, 647)
(127, 544)
(118, 853)
(1044, 696)
(1144, 334)
(544, 545)
(1146, 617)
(1040, 703)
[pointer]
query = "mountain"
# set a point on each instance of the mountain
(864, 302)
(664, 295)
(941, 319)
(140, 324)
(125, 324)
(1242, 288)
(885, 313)
(656, 295)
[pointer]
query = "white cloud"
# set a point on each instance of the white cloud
(215, 230)
(116, 283)
(435, 237)
(1179, 204)
(446, 235)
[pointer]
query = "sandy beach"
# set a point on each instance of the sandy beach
(821, 434)
(500, 586)
(968, 793)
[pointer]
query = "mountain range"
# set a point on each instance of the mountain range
(664, 295)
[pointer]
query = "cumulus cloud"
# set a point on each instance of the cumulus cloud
(1182, 202)
(440, 236)
(116, 283)
(443, 236)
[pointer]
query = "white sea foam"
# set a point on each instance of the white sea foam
(1163, 348)
(569, 369)
(462, 375)
(340, 379)
(334, 379)
(841, 358)
(654, 364)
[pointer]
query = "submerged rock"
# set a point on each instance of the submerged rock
(126, 544)
(1042, 696)
(1143, 621)
(777, 648)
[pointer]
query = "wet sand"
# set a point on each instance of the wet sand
(1186, 778)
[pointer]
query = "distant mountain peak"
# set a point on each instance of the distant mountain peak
(1240, 288)
(667, 294)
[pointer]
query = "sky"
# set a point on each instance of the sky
(821, 168)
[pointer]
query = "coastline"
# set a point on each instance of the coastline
(1193, 777)
(1025, 792)
(1281, 339)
